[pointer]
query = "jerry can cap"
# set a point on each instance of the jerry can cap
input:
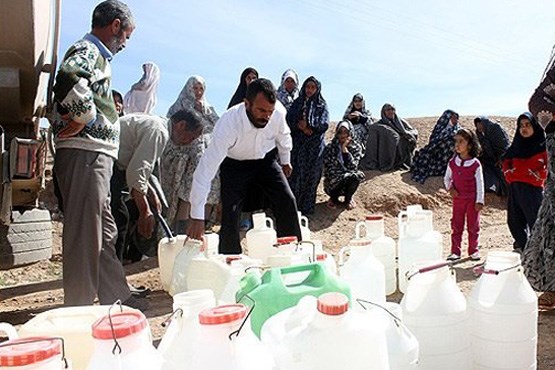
(287, 240)
(27, 351)
(374, 217)
(119, 325)
(333, 303)
(222, 314)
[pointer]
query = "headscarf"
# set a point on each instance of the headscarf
(335, 141)
(312, 109)
(141, 98)
(241, 91)
(494, 140)
(351, 108)
(522, 147)
(285, 97)
(443, 122)
(401, 126)
(186, 98)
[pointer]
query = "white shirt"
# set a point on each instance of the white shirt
(235, 137)
(448, 178)
(142, 141)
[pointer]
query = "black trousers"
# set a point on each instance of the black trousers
(523, 204)
(238, 178)
(346, 187)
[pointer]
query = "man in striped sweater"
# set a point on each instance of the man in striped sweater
(86, 127)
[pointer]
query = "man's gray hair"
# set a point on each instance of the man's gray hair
(108, 11)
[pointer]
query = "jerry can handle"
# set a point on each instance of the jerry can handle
(269, 222)
(342, 252)
(9, 329)
(275, 273)
(313, 248)
(303, 220)
(358, 228)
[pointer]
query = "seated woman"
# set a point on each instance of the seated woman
(341, 157)
(391, 143)
(288, 91)
(432, 159)
(360, 117)
(178, 162)
(495, 142)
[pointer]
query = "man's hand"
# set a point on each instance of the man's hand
(195, 229)
(287, 169)
(72, 129)
(145, 224)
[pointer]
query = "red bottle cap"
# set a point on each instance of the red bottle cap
(333, 303)
(287, 240)
(123, 324)
(222, 314)
(27, 351)
(374, 217)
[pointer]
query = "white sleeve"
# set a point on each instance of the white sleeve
(284, 142)
(448, 178)
(222, 139)
(479, 185)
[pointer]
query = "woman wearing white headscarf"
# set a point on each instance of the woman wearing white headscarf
(180, 161)
(288, 91)
(142, 96)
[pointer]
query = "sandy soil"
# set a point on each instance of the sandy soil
(29, 290)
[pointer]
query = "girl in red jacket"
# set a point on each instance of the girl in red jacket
(525, 170)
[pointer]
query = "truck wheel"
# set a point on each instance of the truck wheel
(27, 239)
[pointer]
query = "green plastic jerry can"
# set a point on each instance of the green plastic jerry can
(276, 290)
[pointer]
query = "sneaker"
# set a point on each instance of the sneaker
(475, 256)
(140, 304)
(139, 291)
(453, 257)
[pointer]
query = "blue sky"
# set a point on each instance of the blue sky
(473, 56)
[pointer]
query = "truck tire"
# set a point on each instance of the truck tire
(27, 239)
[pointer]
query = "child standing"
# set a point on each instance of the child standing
(465, 182)
(525, 170)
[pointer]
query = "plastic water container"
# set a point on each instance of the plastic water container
(335, 338)
(403, 216)
(418, 242)
(261, 238)
(503, 315)
(220, 273)
(383, 248)
(270, 293)
(212, 241)
(176, 344)
(362, 271)
(73, 324)
(402, 346)
(37, 353)
(305, 231)
(434, 309)
(222, 343)
(174, 256)
(122, 341)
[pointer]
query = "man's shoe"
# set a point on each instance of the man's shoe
(139, 291)
(140, 304)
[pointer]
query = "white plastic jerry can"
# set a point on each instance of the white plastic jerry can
(261, 238)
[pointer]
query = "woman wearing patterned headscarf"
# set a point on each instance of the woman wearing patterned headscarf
(141, 98)
(494, 142)
(180, 161)
(539, 255)
(391, 143)
(308, 119)
(360, 117)
(288, 91)
(341, 157)
(432, 159)
(249, 74)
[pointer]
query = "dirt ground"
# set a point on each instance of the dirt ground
(29, 290)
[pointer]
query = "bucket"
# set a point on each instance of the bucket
(224, 341)
(334, 338)
(503, 315)
(261, 238)
(263, 292)
(434, 309)
(176, 344)
(123, 341)
(362, 271)
(383, 247)
(73, 324)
